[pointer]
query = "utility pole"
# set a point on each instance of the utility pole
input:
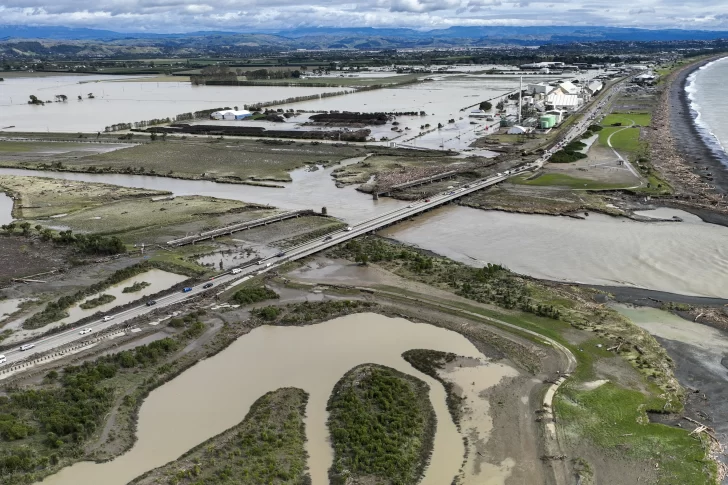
(520, 95)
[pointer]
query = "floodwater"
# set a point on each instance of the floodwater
(216, 394)
(9, 306)
(6, 209)
(159, 280)
(120, 102)
(688, 258)
(308, 190)
(476, 423)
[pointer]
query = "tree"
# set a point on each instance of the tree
(61, 98)
(25, 227)
(91, 96)
(35, 100)
(500, 105)
(486, 106)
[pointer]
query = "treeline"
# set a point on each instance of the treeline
(205, 113)
(91, 244)
(56, 310)
(295, 99)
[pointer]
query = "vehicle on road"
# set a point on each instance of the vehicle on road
(3, 359)
(349, 228)
(108, 317)
(26, 347)
(327, 238)
(186, 289)
(260, 262)
(427, 200)
(151, 302)
(85, 331)
(237, 270)
(280, 255)
(207, 285)
(410, 206)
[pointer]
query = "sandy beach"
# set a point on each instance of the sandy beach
(679, 151)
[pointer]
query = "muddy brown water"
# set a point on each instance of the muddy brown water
(688, 258)
(308, 190)
(216, 393)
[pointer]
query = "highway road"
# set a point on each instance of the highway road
(308, 248)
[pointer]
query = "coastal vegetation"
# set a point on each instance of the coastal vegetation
(94, 302)
(267, 447)
(645, 384)
(382, 427)
(138, 286)
(56, 310)
(253, 294)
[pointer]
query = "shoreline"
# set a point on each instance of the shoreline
(690, 145)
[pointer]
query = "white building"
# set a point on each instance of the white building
(594, 87)
(539, 88)
(231, 115)
(568, 102)
(567, 87)
(518, 130)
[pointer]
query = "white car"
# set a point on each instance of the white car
(108, 317)
(85, 331)
(3, 359)
(237, 270)
(27, 346)
(349, 228)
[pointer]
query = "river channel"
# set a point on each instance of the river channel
(688, 258)
(216, 393)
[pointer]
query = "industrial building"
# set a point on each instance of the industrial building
(230, 115)
(569, 102)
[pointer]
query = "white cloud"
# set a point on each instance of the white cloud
(247, 15)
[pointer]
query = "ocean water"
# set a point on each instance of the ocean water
(709, 104)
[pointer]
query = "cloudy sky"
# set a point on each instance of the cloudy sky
(242, 15)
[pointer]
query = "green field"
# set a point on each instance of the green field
(642, 119)
(627, 139)
(224, 160)
(560, 180)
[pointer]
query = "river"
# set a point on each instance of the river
(688, 258)
(308, 190)
(216, 393)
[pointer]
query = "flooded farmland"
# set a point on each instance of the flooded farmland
(119, 102)
(217, 393)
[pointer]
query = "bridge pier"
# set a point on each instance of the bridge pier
(375, 196)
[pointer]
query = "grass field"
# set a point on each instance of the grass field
(43, 197)
(227, 160)
(627, 139)
(560, 180)
(642, 119)
(133, 214)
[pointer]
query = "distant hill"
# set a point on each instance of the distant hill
(386, 37)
